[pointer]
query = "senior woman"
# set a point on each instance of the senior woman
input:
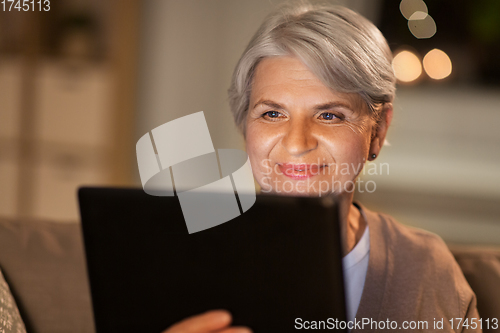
(312, 96)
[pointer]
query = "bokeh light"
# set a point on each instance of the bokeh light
(408, 7)
(407, 66)
(422, 25)
(437, 64)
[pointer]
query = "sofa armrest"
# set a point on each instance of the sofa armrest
(44, 265)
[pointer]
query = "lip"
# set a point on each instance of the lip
(300, 171)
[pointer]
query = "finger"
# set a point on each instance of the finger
(205, 322)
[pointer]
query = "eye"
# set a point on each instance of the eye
(327, 116)
(272, 115)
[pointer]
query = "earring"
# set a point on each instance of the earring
(374, 155)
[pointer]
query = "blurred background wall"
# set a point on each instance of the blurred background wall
(67, 101)
(81, 83)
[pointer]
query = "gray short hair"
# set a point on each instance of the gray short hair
(341, 47)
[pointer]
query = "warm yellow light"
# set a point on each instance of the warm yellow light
(407, 66)
(408, 7)
(437, 64)
(422, 25)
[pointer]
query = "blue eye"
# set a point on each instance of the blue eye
(327, 116)
(272, 114)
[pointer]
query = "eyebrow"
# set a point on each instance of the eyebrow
(320, 107)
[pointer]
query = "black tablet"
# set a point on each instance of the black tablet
(272, 267)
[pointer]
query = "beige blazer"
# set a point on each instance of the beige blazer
(411, 277)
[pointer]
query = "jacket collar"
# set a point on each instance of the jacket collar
(379, 268)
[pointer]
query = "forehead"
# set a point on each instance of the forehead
(288, 79)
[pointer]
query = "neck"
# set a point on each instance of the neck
(352, 223)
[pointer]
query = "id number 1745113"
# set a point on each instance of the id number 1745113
(25, 5)
(474, 323)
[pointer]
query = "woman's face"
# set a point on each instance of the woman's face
(303, 138)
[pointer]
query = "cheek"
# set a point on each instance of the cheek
(258, 148)
(253, 155)
(354, 149)
(349, 151)
(253, 145)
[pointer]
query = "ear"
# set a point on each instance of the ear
(379, 131)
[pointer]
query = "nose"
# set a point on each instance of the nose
(299, 139)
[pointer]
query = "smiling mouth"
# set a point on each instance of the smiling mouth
(300, 171)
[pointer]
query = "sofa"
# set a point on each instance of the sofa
(44, 266)
(43, 262)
